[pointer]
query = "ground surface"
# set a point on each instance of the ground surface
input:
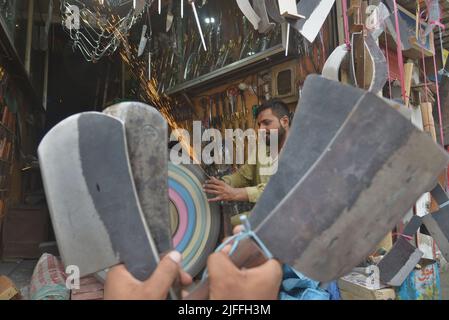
(19, 272)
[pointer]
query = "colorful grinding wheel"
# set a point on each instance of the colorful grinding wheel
(195, 223)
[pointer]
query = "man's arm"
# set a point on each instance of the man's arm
(224, 192)
(254, 193)
(238, 186)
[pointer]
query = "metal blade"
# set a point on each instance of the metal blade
(315, 13)
(318, 119)
(380, 69)
(143, 41)
(331, 68)
(404, 31)
(399, 262)
(92, 199)
(249, 13)
(288, 9)
(437, 224)
(170, 16)
(273, 11)
(198, 23)
(146, 134)
(265, 25)
(364, 180)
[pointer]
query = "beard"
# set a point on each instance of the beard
(281, 135)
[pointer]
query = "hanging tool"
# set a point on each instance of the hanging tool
(249, 13)
(315, 14)
(265, 25)
(143, 41)
(245, 124)
(205, 121)
(220, 103)
(182, 8)
(170, 16)
(288, 9)
(273, 11)
(198, 23)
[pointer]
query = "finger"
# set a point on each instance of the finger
(186, 279)
(184, 293)
(120, 272)
(219, 264)
(166, 272)
(215, 181)
(238, 229)
(215, 199)
(227, 249)
(271, 268)
(211, 191)
(213, 185)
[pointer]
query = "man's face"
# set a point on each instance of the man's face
(267, 120)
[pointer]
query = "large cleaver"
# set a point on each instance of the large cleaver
(351, 168)
(147, 140)
(92, 198)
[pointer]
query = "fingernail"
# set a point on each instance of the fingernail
(175, 256)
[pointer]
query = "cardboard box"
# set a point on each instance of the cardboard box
(8, 290)
(381, 294)
(354, 287)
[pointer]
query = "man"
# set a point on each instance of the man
(247, 184)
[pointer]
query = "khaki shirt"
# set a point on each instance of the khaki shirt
(253, 177)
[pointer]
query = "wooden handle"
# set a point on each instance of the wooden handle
(248, 254)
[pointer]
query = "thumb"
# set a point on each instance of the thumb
(166, 272)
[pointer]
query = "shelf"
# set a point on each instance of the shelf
(232, 71)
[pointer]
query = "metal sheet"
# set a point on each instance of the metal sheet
(332, 66)
(92, 199)
(315, 13)
(380, 68)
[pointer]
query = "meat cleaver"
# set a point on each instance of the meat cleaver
(92, 198)
(351, 168)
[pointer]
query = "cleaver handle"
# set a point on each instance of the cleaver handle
(247, 255)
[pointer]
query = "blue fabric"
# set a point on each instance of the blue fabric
(296, 286)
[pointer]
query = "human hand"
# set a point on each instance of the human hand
(121, 285)
(227, 282)
(223, 191)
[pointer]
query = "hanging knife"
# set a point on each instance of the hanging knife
(143, 41)
(315, 13)
(264, 25)
(198, 23)
(170, 16)
(249, 13)
(273, 11)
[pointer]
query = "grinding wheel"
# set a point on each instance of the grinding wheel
(195, 223)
